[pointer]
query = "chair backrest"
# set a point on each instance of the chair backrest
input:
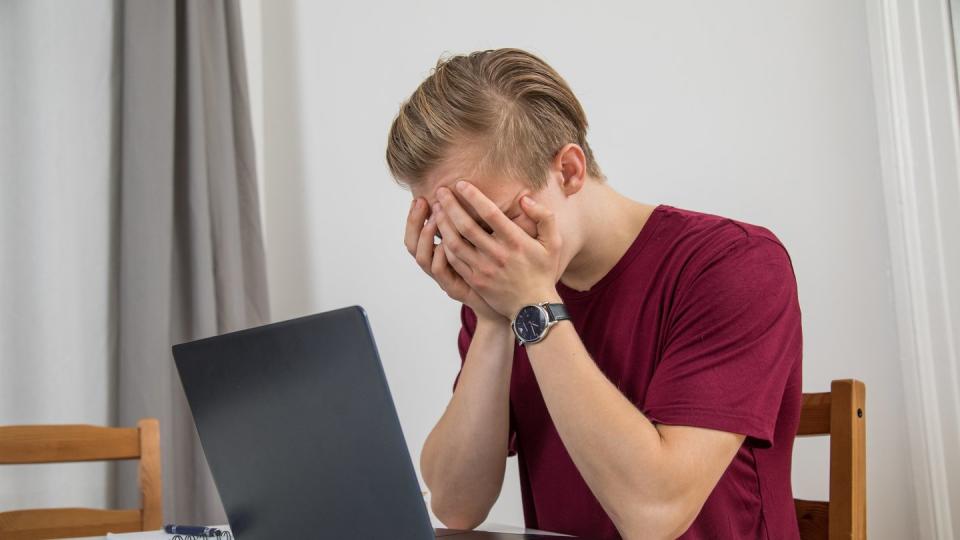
(67, 443)
(839, 413)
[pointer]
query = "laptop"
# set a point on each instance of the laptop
(301, 434)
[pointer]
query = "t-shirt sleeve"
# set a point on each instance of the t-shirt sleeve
(468, 323)
(732, 340)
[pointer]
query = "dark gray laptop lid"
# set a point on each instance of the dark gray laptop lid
(300, 431)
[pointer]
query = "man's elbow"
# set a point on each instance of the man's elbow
(662, 519)
(456, 517)
(458, 508)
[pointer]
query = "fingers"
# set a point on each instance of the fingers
(458, 250)
(423, 252)
(468, 228)
(439, 267)
(547, 232)
(432, 259)
(449, 281)
(488, 211)
(415, 217)
(464, 270)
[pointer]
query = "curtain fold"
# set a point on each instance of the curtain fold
(189, 259)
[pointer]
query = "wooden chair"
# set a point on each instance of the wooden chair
(840, 414)
(67, 443)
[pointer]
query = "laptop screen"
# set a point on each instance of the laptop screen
(300, 431)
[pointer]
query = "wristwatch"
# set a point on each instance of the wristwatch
(534, 320)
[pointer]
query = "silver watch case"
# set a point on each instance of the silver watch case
(546, 328)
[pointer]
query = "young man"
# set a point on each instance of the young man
(641, 361)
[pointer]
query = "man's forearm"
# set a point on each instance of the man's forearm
(464, 457)
(616, 449)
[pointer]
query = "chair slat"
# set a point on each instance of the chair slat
(151, 491)
(66, 523)
(813, 518)
(848, 515)
(64, 443)
(815, 415)
(841, 414)
(67, 443)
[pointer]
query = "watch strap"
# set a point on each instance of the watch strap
(557, 312)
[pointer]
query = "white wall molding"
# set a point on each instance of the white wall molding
(919, 127)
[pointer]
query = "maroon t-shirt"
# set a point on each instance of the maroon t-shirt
(698, 324)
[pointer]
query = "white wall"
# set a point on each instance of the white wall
(762, 112)
(55, 207)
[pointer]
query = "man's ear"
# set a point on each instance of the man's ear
(571, 164)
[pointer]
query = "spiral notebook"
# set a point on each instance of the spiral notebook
(160, 535)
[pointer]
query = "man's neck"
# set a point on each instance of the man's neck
(611, 224)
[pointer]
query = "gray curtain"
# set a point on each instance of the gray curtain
(188, 252)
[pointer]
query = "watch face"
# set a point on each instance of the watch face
(530, 323)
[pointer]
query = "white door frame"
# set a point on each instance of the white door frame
(915, 81)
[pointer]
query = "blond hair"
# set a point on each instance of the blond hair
(508, 106)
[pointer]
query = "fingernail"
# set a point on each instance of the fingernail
(529, 201)
(462, 185)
